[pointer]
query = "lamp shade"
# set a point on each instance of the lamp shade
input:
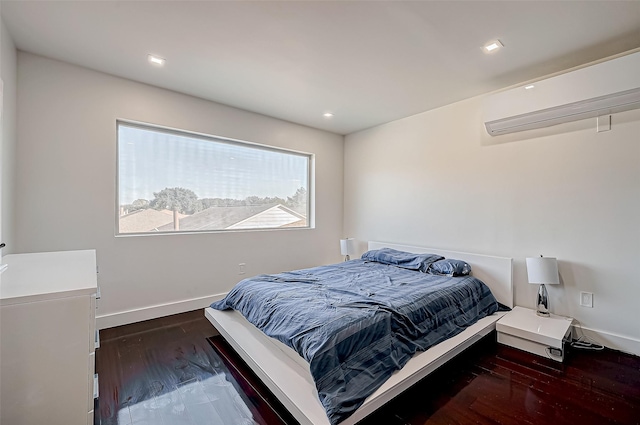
(347, 246)
(543, 270)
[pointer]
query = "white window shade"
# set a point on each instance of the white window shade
(172, 181)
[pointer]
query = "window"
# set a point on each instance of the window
(174, 181)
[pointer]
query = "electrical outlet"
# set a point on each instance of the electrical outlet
(241, 268)
(586, 299)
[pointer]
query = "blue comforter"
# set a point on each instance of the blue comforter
(357, 322)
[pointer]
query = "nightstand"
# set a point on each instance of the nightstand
(545, 336)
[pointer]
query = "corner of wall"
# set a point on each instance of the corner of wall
(8, 73)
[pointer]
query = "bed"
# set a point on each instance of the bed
(288, 375)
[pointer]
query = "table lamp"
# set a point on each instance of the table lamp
(542, 270)
(347, 248)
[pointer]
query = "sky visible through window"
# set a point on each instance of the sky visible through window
(170, 181)
(150, 161)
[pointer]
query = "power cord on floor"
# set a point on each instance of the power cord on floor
(586, 345)
(583, 342)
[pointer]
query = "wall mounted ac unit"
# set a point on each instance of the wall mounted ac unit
(601, 89)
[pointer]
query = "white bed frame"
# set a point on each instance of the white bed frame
(287, 374)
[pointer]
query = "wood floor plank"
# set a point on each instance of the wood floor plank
(589, 400)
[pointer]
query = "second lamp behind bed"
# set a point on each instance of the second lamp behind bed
(347, 248)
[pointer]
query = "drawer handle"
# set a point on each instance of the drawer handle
(95, 386)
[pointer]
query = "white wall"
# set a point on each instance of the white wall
(437, 179)
(66, 164)
(8, 65)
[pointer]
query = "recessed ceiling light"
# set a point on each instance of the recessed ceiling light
(327, 115)
(492, 46)
(156, 60)
(529, 87)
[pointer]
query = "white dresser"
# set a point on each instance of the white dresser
(48, 338)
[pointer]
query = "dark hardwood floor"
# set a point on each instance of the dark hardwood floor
(165, 372)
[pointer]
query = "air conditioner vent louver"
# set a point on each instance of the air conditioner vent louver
(601, 89)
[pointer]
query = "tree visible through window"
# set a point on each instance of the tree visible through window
(172, 181)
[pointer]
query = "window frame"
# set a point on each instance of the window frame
(218, 139)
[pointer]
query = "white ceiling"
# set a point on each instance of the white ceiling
(367, 62)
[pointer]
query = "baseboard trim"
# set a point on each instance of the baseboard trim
(610, 340)
(152, 312)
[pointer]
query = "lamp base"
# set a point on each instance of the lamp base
(542, 302)
(347, 257)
